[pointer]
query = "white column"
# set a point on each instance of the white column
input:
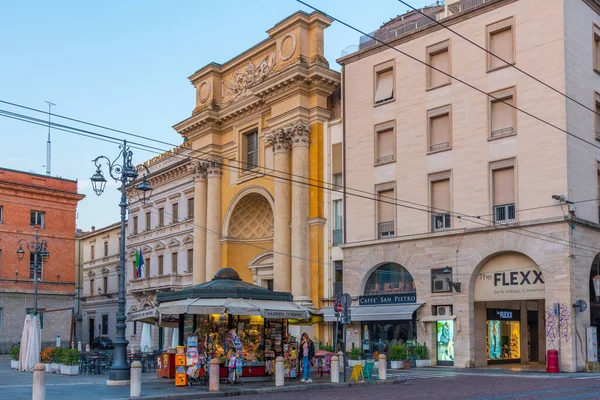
(199, 272)
(282, 245)
(300, 214)
(213, 217)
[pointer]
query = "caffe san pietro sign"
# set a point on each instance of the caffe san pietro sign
(387, 299)
(503, 282)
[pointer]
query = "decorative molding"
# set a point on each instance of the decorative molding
(174, 243)
(239, 82)
(280, 139)
(159, 246)
(287, 37)
(299, 133)
(205, 84)
(317, 221)
(199, 170)
(188, 239)
(213, 166)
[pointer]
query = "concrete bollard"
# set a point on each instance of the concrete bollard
(79, 347)
(135, 388)
(87, 348)
(214, 375)
(39, 382)
(279, 378)
(382, 367)
(335, 369)
(341, 358)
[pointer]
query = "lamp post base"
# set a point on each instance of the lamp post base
(117, 382)
(119, 372)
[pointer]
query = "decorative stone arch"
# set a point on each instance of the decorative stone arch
(132, 309)
(262, 268)
(406, 279)
(250, 215)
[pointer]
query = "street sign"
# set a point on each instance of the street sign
(338, 307)
(58, 337)
(346, 301)
(556, 308)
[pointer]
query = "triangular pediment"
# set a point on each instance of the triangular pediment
(174, 243)
(188, 239)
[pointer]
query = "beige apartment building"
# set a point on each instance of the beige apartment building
(485, 230)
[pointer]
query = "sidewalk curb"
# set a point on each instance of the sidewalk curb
(269, 389)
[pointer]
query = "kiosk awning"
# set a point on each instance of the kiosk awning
(376, 313)
(152, 316)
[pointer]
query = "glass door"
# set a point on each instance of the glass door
(445, 342)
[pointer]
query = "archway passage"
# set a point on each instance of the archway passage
(252, 218)
(594, 300)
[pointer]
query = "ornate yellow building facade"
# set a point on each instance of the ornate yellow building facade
(257, 135)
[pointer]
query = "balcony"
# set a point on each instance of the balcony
(504, 214)
(440, 222)
(385, 229)
(160, 283)
(337, 237)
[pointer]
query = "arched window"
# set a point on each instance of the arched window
(390, 278)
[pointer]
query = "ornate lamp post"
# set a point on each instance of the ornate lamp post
(39, 249)
(125, 173)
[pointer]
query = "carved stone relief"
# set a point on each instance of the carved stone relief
(280, 140)
(299, 133)
(199, 170)
(203, 91)
(239, 82)
(213, 165)
(287, 46)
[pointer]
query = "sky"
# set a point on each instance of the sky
(125, 65)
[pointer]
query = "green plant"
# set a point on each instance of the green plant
(70, 357)
(14, 353)
(47, 355)
(59, 354)
(355, 353)
(421, 351)
(326, 347)
(397, 353)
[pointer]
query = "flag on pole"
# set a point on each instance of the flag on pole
(135, 265)
(140, 264)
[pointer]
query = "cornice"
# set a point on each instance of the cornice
(593, 4)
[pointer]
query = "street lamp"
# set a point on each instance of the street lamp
(39, 249)
(455, 285)
(125, 173)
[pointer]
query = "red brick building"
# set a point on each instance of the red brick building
(30, 202)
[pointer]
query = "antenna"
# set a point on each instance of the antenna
(48, 143)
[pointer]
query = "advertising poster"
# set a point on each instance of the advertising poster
(445, 342)
(494, 339)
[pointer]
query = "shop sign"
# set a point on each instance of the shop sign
(142, 314)
(503, 315)
(498, 281)
(284, 314)
(387, 299)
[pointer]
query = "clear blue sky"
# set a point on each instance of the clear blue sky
(125, 65)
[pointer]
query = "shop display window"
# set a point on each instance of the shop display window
(503, 340)
(445, 342)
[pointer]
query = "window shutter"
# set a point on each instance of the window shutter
(386, 207)
(502, 116)
(440, 196)
(384, 88)
(440, 130)
(504, 189)
(440, 61)
(385, 143)
(502, 46)
(336, 162)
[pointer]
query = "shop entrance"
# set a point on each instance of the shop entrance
(378, 336)
(533, 347)
(91, 330)
(503, 336)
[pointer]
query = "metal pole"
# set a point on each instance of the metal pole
(344, 349)
(119, 370)
(35, 273)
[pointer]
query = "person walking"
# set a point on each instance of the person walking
(306, 354)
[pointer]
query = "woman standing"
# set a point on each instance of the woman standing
(306, 354)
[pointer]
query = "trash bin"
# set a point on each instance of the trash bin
(552, 361)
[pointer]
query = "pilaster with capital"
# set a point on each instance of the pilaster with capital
(214, 172)
(282, 264)
(199, 263)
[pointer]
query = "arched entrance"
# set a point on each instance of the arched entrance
(509, 303)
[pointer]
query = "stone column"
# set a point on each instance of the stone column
(199, 271)
(299, 133)
(213, 217)
(282, 263)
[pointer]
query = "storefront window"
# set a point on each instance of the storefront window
(445, 342)
(379, 336)
(390, 279)
(504, 336)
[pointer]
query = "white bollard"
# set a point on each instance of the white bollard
(382, 367)
(135, 388)
(279, 378)
(79, 346)
(39, 382)
(214, 375)
(87, 348)
(335, 369)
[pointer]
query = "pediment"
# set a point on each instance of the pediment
(174, 243)
(188, 239)
(159, 246)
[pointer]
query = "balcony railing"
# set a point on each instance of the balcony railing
(503, 132)
(439, 146)
(385, 159)
(385, 229)
(337, 181)
(337, 237)
(172, 281)
(440, 222)
(504, 214)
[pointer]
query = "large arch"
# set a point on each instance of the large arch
(387, 278)
(250, 215)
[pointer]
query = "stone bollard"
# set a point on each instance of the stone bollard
(135, 388)
(39, 382)
(79, 346)
(335, 369)
(279, 378)
(382, 367)
(87, 348)
(214, 375)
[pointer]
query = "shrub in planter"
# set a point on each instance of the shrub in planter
(70, 361)
(57, 359)
(326, 347)
(47, 357)
(14, 357)
(421, 353)
(397, 355)
(355, 357)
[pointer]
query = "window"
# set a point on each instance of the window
(92, 252)
(147, 267)
(32, 266)
(105, 249)
(337, 222)
(440, 129)
(1, 209)
(267, 283)
(148, 221)
(500, 42)
(161, 216)
(92, 287)
(438, 56)
(337, 165)
(440, 280)
(338, 277)
(37, 218)
(174, 262)
(1, 318)
(135, 327)
(105, 324)
(135, 225)
(386, 210)
(190, 261)
(503, 117)
(175, 213)
(160, 265)
(390, 278)
(105, 279)
(190, 207)
(250, 148)
(503, 191)
(596, 51)
(597, 127)
(40, 315)
(385, 143)
(384, 82)
(440, 201)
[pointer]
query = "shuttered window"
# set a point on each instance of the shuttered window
(502, 115)
(386, 209)
(500, 42)
(440, 129)
(597, 115)
(438, 56)
(336, 162)
(384, 86)
(596, 54)
(251, 149)
(504, 188)
(440, 196)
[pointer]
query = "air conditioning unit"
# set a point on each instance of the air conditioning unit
(441, 285)
(443, 310)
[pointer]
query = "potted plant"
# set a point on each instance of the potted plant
(422, 356)
(397, 355)
(14, 357)
(70, 361)
(355, 357)
(47, 357)
(57, 360)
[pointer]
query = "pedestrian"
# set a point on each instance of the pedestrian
(306, 354)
